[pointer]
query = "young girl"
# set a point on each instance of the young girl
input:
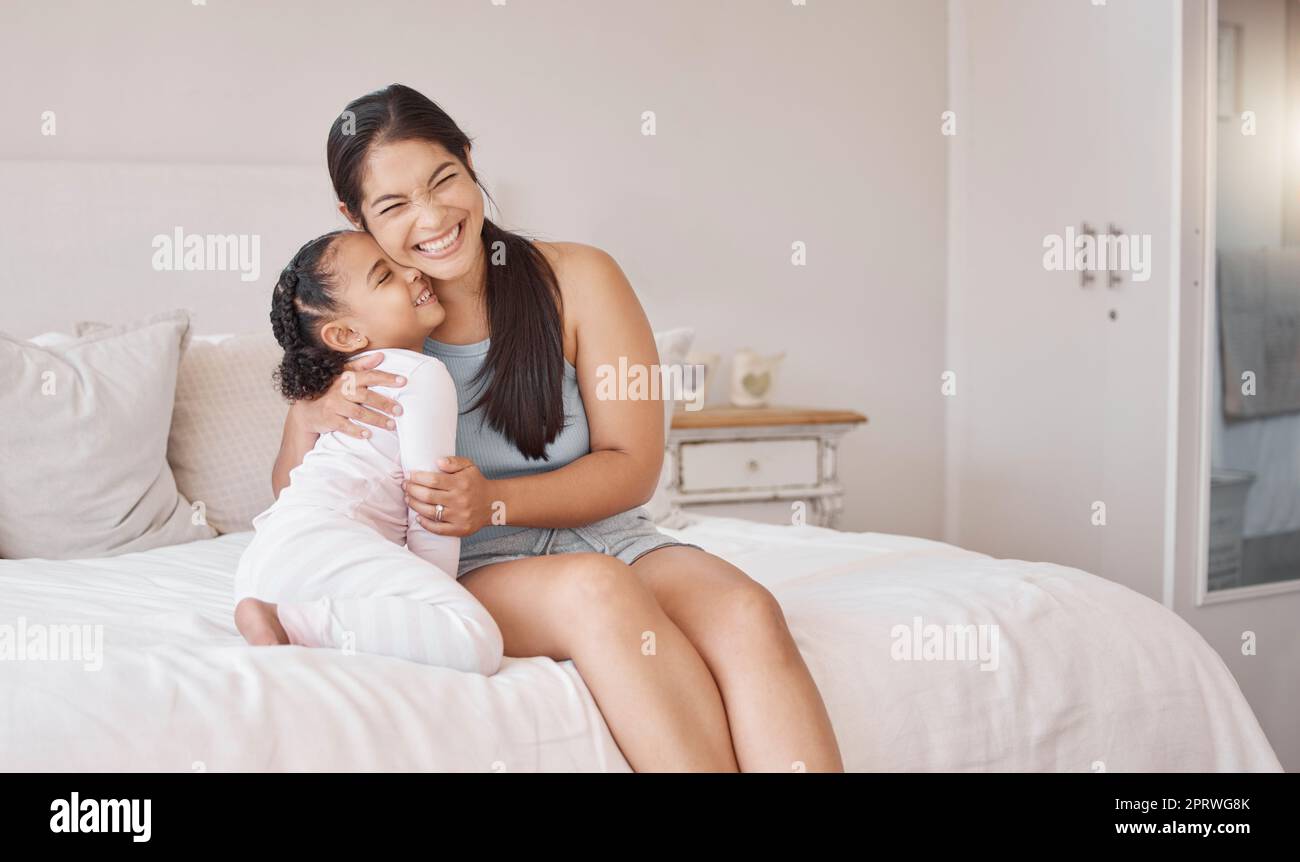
(327, 566)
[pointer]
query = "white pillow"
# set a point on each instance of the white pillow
(52, 339)
(85, 470)
(673, 345)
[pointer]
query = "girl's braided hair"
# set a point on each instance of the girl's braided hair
(300, 303)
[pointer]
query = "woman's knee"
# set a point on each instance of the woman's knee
(598, 578)
(750, 614)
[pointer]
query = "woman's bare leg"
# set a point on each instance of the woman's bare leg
(777, 718)
(662, 706)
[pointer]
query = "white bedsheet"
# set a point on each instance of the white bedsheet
(1088, 673)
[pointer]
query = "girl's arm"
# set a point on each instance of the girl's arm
(627, 436)
(347, 404)
(426, 431)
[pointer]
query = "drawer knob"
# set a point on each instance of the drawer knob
(752, 465)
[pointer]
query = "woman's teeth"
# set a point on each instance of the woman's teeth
(436, 246)
(425, 296)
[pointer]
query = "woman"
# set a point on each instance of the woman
(689, 659)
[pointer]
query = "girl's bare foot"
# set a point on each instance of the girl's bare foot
(258, 622)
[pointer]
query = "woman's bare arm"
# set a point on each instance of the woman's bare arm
(627, 436)
(295, 443)
(348, 406)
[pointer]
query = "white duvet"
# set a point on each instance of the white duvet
(1080, 674)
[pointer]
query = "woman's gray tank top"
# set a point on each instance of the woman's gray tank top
(494, 455)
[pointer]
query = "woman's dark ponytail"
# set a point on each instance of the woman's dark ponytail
(301, 301)
(524, 366)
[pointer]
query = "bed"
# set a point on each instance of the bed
(128, 496)
(1090, 676)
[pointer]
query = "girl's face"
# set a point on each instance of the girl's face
(386, 305)
(423, 208)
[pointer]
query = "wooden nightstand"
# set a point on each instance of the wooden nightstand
(745, 457)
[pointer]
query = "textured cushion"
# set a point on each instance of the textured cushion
(673, 346)
(85, 470)
(226, 429)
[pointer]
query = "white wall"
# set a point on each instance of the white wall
(776, 123)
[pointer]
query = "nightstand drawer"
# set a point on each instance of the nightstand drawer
(725, 465)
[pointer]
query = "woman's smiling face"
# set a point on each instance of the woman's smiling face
(423, 208)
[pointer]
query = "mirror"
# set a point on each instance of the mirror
(1254, 528)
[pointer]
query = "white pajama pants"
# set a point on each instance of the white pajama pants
(337, 582)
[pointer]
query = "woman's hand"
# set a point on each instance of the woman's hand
(469, 499)
(349, 405)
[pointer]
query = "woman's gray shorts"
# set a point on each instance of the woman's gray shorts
(627, 535)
